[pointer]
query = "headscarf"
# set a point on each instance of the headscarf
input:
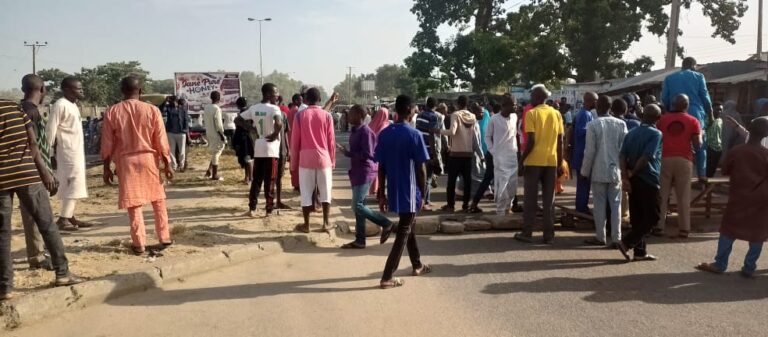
(379, 121)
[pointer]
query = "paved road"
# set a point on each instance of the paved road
(483, 285)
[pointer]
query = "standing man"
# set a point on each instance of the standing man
(362, 142)
(26, 175)
(65, 129)
(501, 137)
(691, 83)
(714, 140)
(229, 125)
(640, 176)
(401, 155)
(34, 91)
(177, 127)
(541, 159)
(584, 117)
(285, 153)
(298, 102)
(462, 135)
(242, 142)
(483, 168)
(601, 164)
(426, 122)
(214, 130)
(266, 120)
(135, 140)
(313, 147)
(681, 132)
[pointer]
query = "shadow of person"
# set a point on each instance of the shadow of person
(660, 288)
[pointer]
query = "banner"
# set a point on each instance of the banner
(196, 89)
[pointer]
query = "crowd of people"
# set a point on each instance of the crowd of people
(626, 154)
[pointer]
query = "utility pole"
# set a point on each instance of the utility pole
(674, 21)
(760, 30)
(349, 85)
(35, 47)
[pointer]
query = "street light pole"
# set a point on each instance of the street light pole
(261, 58)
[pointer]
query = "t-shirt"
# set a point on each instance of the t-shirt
(644, 140)
(17, 169)
(678, 129)
(263, 116)
(715, 135)
(546, 124)
(229, 120)
(399, 149)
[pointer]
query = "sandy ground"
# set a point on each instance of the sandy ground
(202, 215)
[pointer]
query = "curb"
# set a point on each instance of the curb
(38, 305)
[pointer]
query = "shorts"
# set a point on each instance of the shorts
(309, 179)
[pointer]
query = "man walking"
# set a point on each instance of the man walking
(134, 139)
(714, 140)
(541, 159)
(25, 175)
(401, 155)
(426, 122)
(214, 129)
(65, 129)
(691, 83)
(266, 120)
(362, 142)
(583, 118)
(314, 156)
(601, 164)
(462, 136)
(681, 132)
(640, 175)
(34, 91)
(177, 127)
(501, 138)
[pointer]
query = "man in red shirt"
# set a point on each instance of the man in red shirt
(681, 137)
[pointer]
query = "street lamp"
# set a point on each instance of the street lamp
(261, 62)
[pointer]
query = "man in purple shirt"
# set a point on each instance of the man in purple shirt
(362, 142)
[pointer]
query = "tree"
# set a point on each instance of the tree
(101, 84)
(167, 86)
(544, 40)
(52, 78)
(251, 85)
(14, 94)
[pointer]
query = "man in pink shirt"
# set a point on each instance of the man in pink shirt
(313, 151)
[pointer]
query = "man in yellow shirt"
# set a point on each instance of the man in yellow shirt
(541, 163)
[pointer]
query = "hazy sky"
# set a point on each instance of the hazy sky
(314, 41)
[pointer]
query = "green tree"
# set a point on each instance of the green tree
(101, 83)
(52, 78)
(251, 85)
(167, 86)
(14, 94)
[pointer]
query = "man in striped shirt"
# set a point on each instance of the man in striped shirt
(21, 173)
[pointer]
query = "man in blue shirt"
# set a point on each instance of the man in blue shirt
(177, 127)
(426, 121)
(401, 155)
(693, 84)
(640, 163)
(586, 115)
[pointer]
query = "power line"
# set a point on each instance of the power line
(35, 47)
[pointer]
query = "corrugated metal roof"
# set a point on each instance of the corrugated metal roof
(758, 75)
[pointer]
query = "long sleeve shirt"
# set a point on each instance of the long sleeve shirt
(133, 127)
(694, 85)
(605, 135)
(177, 120)
(212, 120)
(580, 137)
(501, 134)
(313, 140)
(362, 143)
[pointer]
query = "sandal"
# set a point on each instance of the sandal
(302, 229)
(137, 251)
(448, 209)
(425, 269)
(709, 267)
(352, 245)
(393, 283)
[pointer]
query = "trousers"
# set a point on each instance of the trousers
(644, 213)
(264, 174)
(459, 167)
(177, 142)
(546, 176)
(676, 173)
(138, 229)
(405, 238)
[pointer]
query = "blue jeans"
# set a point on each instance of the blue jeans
(724, 247)
(701, 156)
(607, 195)
(362, 213)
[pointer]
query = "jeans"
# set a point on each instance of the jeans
(607, 195)
(713, 160)
(459, 166)
(430, 177)
(35, 199)
(362, 212)
(546, 175)
(32, 238)
(644, 213)
(264, 173)
(487, 179)
(583, 186)
(177, 142)
(724, 247)
(701, 157)
(405, 238)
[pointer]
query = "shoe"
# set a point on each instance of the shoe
(447, 209)
(523, 238)
(475, 210)
(746, 275)
(385, 233)
(548, 241)
(80, 224)
(613, 245)
(657, 232)
(44, 264)
(594, 242)
(517, 209)
(6, 296)
(68, 280)
(66, 225)
(647, 257)
(624, 251)
(251, 214)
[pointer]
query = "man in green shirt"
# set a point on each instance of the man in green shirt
(714, 140)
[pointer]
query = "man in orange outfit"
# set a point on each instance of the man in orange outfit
(133, 137)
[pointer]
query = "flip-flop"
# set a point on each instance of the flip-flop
(708, 267)
(352, 245)
(425, 269)
(137, 251)
(393, 283)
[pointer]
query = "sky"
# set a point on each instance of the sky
(311, 40)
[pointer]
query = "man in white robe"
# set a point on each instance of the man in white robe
(65, 129)
(501, 138)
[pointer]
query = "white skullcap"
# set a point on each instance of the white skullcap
(543, 87)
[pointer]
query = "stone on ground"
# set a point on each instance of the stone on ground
(426, 225)
(452, 227)
(477, 225)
